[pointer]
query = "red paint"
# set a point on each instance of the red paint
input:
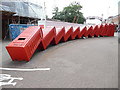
(48, 35)
(68, 33)
(88, 31)
(76, 31)
(23, 47)
(60, 32)
(82, 32)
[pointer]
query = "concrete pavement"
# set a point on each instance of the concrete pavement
(81, 63)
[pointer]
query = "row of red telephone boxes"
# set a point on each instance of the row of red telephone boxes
(24, 46)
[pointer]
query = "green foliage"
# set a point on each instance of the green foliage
(70, 13)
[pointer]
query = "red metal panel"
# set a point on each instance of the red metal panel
(68, 33)
(82, 32)
(60, 32)
(23, 47)
(48, 35)
(76, 31)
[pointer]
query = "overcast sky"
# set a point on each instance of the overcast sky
(90, 7)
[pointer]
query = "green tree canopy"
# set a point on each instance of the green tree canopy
(70, 13)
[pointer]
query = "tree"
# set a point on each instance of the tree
(70, 13)
(55, 13)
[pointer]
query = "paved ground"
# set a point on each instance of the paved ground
(81, 63)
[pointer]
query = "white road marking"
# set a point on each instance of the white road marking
(18, 69)
(10, 79)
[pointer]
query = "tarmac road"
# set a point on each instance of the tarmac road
(81, 63)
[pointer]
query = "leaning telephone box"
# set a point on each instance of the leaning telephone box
(83, 30)
(90, 29)
(23, 47)
(68, 33)
(60, 32)
(76, 31)
(48, 35)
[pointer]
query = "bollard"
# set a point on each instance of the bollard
(23, 47)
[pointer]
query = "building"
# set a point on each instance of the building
(94, 20)
(19, 13)
(119, 11)
(115, 19)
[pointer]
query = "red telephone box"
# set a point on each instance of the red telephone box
(23, 47)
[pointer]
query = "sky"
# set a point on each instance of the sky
(90, 7)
